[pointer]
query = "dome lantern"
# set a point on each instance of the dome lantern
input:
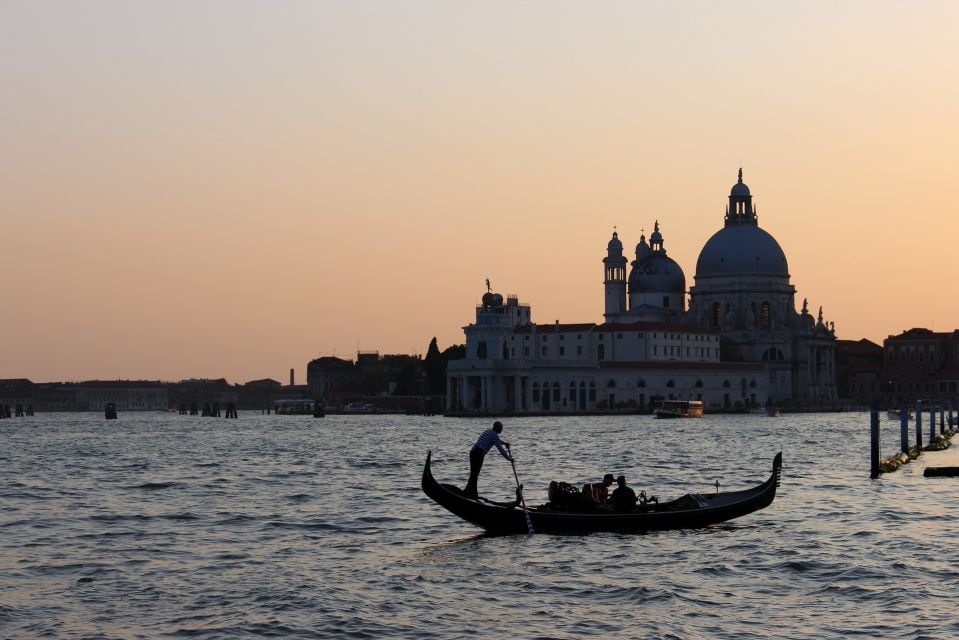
(740, 208)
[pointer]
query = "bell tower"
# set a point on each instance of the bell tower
(614, 268)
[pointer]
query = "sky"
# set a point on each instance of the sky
(230, 189)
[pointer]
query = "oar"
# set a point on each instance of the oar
(519, 487)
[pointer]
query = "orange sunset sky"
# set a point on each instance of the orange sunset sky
(233, 188)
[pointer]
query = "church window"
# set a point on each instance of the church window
(579, 350)
(699, 384)
(665, 302)
(526, 351)
(670, 384)
(505, 352)
(535, 392)
(544, 351)
(592, 392)
(556, 391)
(481, 350)
(601, 352)
(717, 314)
(764, 315)
(562, 351)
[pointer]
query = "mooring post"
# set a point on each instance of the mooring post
(942, 416)
(918, 424)
(932, 422)
(904, 429)
(874, 441)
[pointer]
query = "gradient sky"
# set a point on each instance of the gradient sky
(233, 188)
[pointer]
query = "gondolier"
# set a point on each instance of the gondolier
(486, 441)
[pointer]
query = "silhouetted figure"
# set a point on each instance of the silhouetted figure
(487, 440)
(623, 498)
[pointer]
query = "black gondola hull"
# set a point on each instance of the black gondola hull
(499, 519)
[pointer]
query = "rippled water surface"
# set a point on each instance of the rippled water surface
(159, 525)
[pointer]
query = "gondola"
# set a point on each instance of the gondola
(688, 512)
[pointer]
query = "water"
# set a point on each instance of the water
(159, 525)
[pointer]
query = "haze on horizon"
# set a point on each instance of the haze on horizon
(233, 188)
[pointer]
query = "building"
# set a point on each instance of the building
(741, 342)
(921, 364)
(859, 370)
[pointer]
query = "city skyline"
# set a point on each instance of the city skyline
(233, 189)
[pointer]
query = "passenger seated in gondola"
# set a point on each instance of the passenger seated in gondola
(623, 498)
(599, 491)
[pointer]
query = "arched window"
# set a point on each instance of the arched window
(601, 352)
(717, 314)
(556, 391)
(535, 392)
(481, 350)
(699, 384)
(670, 384)
(764, 315)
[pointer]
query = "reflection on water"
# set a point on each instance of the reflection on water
(165, 525)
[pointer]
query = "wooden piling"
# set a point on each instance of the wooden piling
(932, 422)
(918, 425)
(874, 441)
(942, 417)
(904, 429)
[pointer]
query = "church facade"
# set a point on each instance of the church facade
(739, 344)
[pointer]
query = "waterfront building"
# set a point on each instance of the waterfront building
(741, 343)
(859, 370)
(920, 363)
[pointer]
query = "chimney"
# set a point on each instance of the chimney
(291, 377)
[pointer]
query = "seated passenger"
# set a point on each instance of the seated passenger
(624, 498)
(600, 490)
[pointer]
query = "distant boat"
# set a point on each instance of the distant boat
(297, 407)
(110, 411)
(896, 414)
(680, 409)
(772, 412)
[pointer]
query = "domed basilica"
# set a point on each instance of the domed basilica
(740, 343)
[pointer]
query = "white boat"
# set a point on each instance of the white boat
(297, 407)
(680, 409)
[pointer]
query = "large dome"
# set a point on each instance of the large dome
(741, 249)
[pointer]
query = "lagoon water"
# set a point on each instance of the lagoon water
(158, 525)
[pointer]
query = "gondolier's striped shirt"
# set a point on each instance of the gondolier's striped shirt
(489, 438)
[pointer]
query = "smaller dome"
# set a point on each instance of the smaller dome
(497, 300)
(489, 299)
(642, 248)
(615, 243)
